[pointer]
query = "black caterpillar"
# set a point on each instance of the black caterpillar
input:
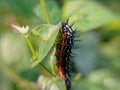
(64, 45)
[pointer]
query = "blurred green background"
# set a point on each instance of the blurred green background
(97, 61)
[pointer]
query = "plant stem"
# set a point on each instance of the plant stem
(31, 48)
(45, 69)
(66, 1)
(35, 57)
(42, 2)
(51, 62)
(64, 9)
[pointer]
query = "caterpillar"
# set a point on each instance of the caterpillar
(64, 46)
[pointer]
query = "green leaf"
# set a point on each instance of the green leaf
(47, 34)
(87, 14)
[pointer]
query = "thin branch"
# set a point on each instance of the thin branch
(42, 2)
(51, 61)
(35, 57)
(46, 70)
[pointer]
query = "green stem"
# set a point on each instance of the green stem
(51, 62)
(42, 2)
(31, 48)
(66, 1)
(64, 10)
(45, 69)
(35, 57)
(52, 67)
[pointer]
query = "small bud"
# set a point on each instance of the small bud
(22, 30)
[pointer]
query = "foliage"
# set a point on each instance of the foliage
(96, 61)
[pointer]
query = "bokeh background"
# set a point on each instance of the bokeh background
(97, 63)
